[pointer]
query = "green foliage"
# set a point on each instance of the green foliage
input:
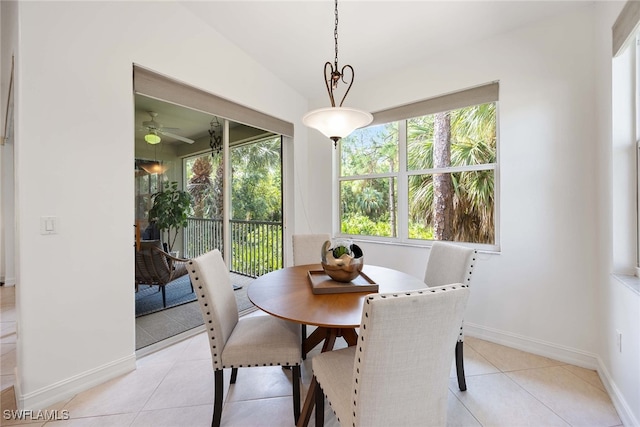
(169, 210)
(258, 252)
(256, 181)
(368, 205)
(358, 224)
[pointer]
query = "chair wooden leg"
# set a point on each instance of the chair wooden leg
(462, 384)
(309, 403)
(234, 375)
(304, 337)
(295, 377)
(319, 405)
(164, 296)
(217, 398)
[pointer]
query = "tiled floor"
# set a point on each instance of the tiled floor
(174, 387)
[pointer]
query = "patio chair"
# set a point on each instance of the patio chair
(449, 263)
(155, 267)
(398, 373)
(240, 342)
(307, 249)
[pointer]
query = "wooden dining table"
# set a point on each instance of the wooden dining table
(287, 294)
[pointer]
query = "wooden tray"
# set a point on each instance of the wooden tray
(321, 283)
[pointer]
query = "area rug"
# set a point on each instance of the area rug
(178, 292)
(164, 323)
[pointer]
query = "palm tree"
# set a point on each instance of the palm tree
(472, 142)
(200, 186)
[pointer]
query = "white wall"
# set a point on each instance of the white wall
(540, 286)
(549, 290)
(618, 302)
(74, 152)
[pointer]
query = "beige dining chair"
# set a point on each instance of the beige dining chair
(398, 373)
(240, 342)
(307, 249)
(451, 263)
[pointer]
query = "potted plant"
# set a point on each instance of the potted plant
(169, 211)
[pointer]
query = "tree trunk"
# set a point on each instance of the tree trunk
(218, 192)
(442, 184)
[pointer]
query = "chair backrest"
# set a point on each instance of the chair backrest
(404, 356)
(449, 263)
(307, 248)
(151, 266)
(211, 283)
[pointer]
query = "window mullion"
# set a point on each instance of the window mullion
(403, 183)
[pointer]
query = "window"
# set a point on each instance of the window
(431, 175)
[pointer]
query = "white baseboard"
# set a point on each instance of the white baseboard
(621, 405)
(530, 345)
(65, 389)
(563, 354)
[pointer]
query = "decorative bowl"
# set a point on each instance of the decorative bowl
(342, 260)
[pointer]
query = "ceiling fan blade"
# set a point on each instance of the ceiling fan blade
(178, 137)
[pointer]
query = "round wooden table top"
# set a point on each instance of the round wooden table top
(287, 294)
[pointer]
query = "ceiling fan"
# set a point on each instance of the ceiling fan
(154, 129)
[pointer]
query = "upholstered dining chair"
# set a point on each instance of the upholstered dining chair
(451, 263)
(155, 267)
(307, 249)
(240, 342)
(398, 372)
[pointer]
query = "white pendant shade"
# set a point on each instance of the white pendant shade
(336, 122)
(152, 138)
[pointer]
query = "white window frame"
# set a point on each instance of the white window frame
(402, 178)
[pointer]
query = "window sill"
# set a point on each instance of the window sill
(631, 282)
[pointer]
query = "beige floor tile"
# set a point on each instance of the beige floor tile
(8, 362)
(474, 364)
(198, 348)
(5, 348)
(8, 314)
(188, 383)
(458, 415)
(277, 411)
(575, 400)
(8, 399)
(495, 400)
(588, 375)
(126, 394)
(260, 383)
(7, 381)
(507, 358)
(120, 420)
(192, 416)
(7, 296)
(7, 333)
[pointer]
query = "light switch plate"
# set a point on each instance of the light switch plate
(48, 225)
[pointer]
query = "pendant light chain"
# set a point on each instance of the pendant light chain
(335, 34)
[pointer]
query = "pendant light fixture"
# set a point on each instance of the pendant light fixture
(337, 122)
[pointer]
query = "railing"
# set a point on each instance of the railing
(256, 246)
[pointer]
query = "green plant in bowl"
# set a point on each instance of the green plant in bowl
(338, 251)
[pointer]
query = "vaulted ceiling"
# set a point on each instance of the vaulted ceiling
(293, 39)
